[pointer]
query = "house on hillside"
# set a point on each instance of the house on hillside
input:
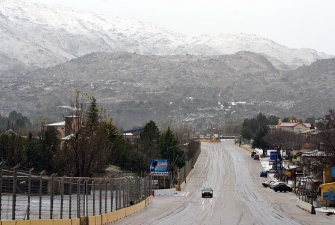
(293, 126)
(133, 135)
(65, 129)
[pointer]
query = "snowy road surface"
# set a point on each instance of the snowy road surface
(238, 198)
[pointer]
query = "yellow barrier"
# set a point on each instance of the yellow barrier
(112, 217)
(10, 222)
(62, 222)
(209, 140)
(104, 219)
(98, 220)
(121, 213)
(246, 148)
(41, 222)
(91, 220)
(75, 221)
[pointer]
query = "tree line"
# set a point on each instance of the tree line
(94, 145)
(322, 139)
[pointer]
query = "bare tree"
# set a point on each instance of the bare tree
(89, 135)
(280, 139)
(326, 138)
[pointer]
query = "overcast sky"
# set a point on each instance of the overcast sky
(293, 23)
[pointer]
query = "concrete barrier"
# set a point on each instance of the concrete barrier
(41, 222)
(98, 220)
(91, 220)
(306, 206)
(20, 222)
(9, 222)
(75, 221)
(121, 213)
(129, 210)
(203, 140)
(61, 222)
(104, 219)
(112, 217)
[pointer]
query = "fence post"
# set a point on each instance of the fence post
(61, 196)
(100, 197)
(150, 184)
(1, 165)
(52, 194)
(116, 195)
(122, 191)
(78, 198)
(93, 195)
(70, 199)
(144, 188)
(14, 190)
(29, 190)
(86, 198)
(40, 199)
(112, 195)
(106, 197)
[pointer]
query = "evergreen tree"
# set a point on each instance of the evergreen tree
(259, 141)
(170, 149)
(150, 140)
(92, 116)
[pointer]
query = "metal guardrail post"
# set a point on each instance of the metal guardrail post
(52, 194)
(1, 165)
(14, 190)
(61, 196)
(40, 197)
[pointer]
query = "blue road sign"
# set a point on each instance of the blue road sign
(333, 172)
(329, 196)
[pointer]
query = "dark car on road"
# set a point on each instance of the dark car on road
(207, 192)
(282, 188)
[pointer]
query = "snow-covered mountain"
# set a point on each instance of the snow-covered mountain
(40, 35)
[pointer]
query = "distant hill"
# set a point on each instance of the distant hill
(42, 36)
(193, 89)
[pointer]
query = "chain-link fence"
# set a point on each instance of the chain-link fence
(25, 195)
(183, 172)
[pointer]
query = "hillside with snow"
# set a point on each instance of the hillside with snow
(36, 35)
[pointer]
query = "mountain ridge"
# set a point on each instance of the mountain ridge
(198, 90)
(43, 36)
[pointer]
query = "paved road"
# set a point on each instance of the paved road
(239, 197)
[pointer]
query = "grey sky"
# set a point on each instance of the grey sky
(293, 23)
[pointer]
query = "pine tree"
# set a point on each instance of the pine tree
(92, 116)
